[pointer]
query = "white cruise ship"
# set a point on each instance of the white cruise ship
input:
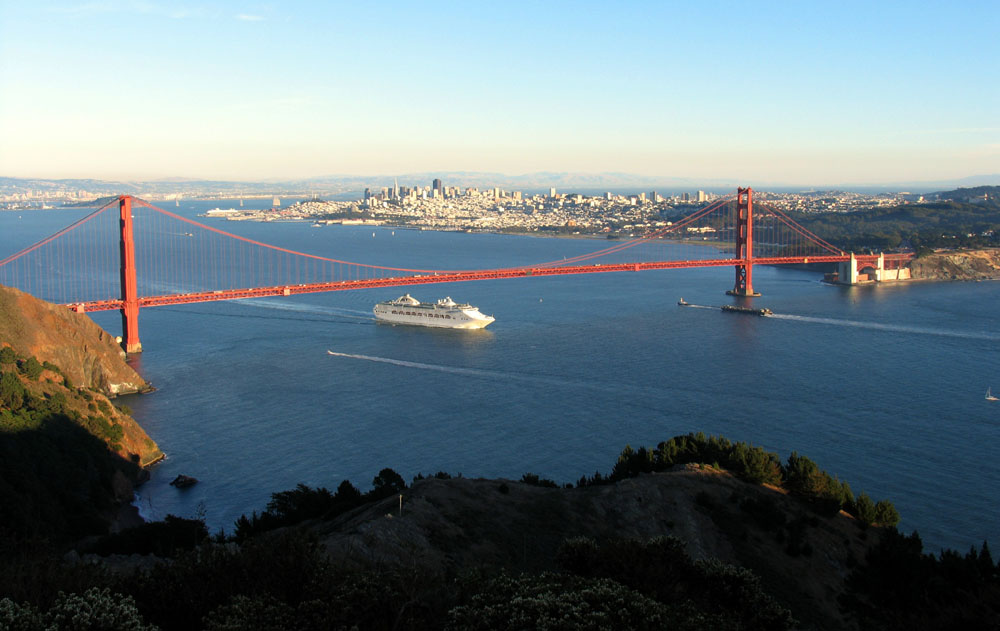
(445, 313)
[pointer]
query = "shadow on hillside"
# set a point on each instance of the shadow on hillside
(58, 482)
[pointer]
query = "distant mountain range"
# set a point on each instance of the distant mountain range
(340, 185)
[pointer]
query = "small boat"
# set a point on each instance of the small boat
(990, 397)
(683, 302)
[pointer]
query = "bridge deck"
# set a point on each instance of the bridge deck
(496, 274)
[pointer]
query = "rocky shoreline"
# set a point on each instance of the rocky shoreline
(957, 265)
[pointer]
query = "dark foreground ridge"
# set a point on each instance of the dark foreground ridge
(690, 547)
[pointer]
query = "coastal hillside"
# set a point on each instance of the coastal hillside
(957, 265)
(86, 353)
(69, 457)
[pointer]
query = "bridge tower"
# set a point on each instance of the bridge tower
(130, 294)
(744, 244)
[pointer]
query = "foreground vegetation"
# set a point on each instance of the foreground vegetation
(272, 572)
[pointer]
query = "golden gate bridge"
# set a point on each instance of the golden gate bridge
(146, 256)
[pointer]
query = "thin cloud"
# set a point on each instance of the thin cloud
(247, 17)
(959, 130)
(285, 102)
(88, 7)
(141, 7)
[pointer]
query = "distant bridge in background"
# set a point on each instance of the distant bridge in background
(145, 256)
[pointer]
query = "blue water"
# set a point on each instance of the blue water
(882, 386)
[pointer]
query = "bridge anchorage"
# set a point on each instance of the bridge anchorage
(154, 257)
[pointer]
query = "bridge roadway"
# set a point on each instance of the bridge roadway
(453, 277)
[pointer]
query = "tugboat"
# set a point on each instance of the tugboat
(747, 310)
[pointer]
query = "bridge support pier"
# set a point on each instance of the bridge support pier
(744, 244)
(130, 294)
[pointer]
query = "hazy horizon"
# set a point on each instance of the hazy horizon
(789, 94)
(575, 181)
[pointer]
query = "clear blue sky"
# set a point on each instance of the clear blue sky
(793, 92)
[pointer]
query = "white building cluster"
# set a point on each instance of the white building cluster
(493, 209)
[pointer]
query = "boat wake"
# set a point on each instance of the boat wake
(694, 306)
(894, 328)
(277, 305)
(455, 370)
(493, 375)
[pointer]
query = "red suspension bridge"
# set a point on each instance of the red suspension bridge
(154, 257)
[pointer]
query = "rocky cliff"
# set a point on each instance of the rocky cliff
(85, 352)
(957, 265)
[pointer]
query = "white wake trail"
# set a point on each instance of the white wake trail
(264, 303)
(485, 374)
(893, 328)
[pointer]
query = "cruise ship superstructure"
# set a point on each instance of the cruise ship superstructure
(445, 313)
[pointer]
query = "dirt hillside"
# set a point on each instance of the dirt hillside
(85, 352)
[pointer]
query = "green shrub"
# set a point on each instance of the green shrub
(386, 484)
(864, 509)
(52, 368)
(12, 392)
(556, 601)
(261, 613)
(7, 355)
(96, 609)
(115, 433)
(31, 368)
(15, 617)
(300, 503)
(534, 480)
(886, 514)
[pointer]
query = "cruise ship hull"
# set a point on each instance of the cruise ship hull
(444, 314)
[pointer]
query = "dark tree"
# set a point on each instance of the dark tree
(387, 483)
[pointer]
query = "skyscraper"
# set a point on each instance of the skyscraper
(436, 185)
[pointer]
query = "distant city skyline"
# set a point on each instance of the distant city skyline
(783, 93)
